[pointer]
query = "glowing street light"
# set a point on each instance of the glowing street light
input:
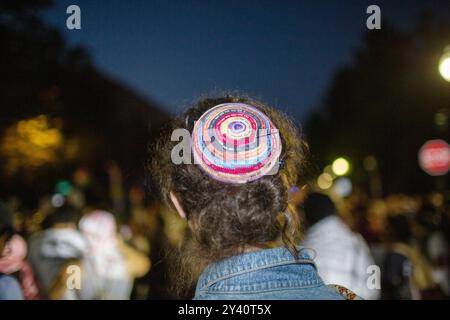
(340, 166)
(444, 65)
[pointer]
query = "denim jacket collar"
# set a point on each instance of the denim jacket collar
(255, 261)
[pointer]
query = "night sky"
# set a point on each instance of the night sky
(284, 52)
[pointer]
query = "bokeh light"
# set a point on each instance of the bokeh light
(340, 166)
(57, 200)
(325, 181)
(343, 187)
(370, 163)
(444, 65)
(30, 144)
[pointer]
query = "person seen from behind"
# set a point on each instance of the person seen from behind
(233, 190)
(55, 249)
(342, 256)
(406, 273)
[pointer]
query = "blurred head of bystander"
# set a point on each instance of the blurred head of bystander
(318, 206)
(14, 269)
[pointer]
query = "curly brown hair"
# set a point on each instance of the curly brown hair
(226, 218)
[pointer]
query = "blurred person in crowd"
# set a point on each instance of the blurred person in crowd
(363, 225)
(438, 252)
(406, 273)
(168, 236)
(446, 232)
(142, 221)
(16, 276)
(99, 226)
(342, 256)
(243, 231)
(434, 243)
(116, 263)
(99, 229)
(9, 285)
(59, 246)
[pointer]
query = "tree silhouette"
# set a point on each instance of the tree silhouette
(384, 103)
(100, 118)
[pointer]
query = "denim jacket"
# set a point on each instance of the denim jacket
(267, 274)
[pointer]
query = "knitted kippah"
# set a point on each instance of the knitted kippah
(235, 143)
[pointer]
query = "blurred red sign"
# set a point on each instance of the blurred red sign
(434, 157)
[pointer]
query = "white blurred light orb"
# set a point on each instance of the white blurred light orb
(57, 200)
(343, 187)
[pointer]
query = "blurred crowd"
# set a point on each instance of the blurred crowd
(406, 237)
(114, 244)
(99, 241)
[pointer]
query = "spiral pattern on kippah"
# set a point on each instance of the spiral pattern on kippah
(235, 143)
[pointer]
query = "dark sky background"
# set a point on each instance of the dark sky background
(173, 51)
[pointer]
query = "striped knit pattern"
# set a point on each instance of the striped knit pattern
(235, 143)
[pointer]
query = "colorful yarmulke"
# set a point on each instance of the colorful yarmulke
(236, 143)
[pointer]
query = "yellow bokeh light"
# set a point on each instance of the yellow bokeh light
(370, 163)
(30, 144)
(444, 66)
(325, 181)
(340, 166)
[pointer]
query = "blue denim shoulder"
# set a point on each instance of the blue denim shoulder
(269, 274)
